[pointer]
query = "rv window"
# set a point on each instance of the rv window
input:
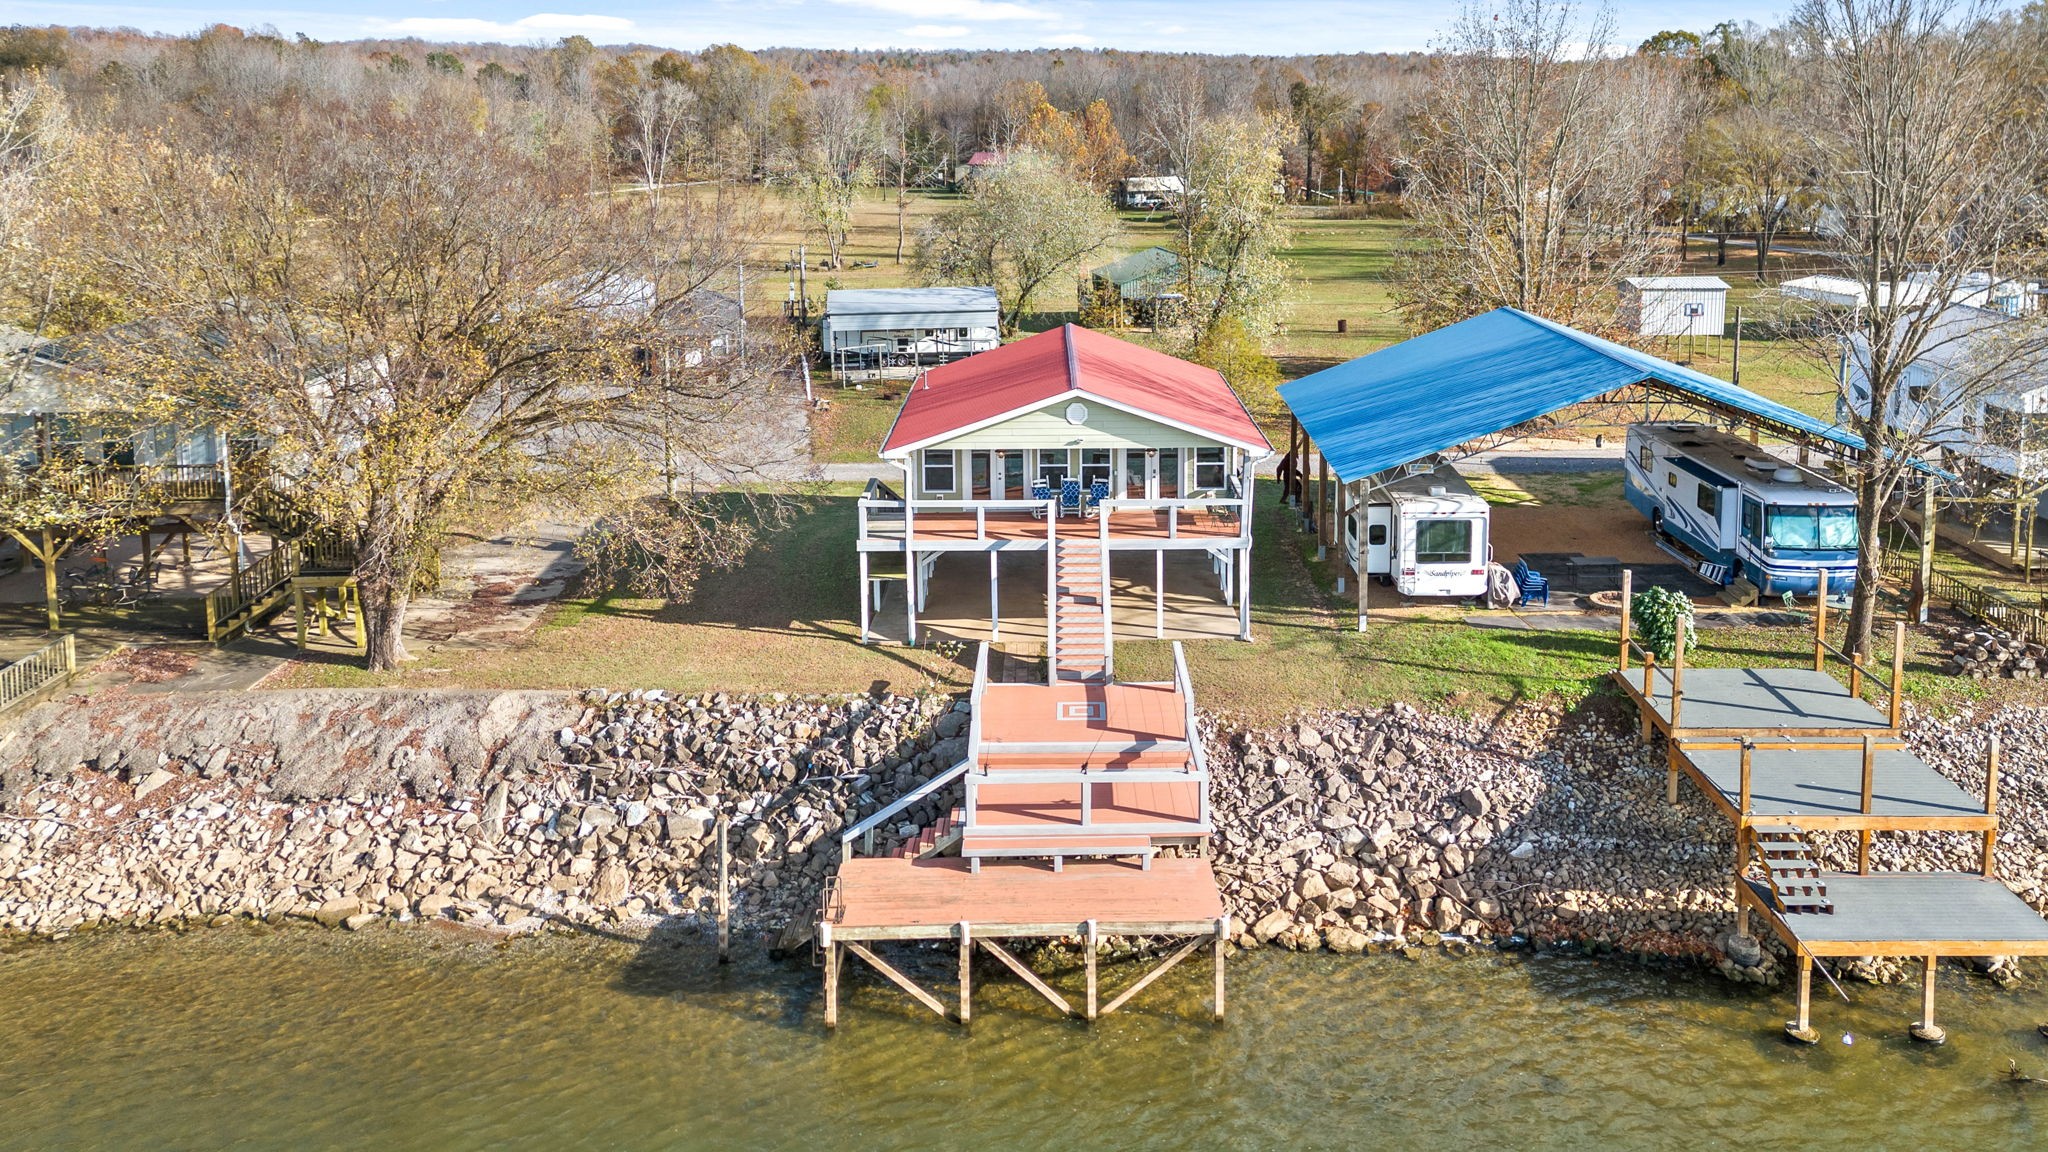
(1646, 458)
(1443, 541)
(1810, 526)
(1752, 520)
(1376, 535)
(1209, 468)
(1671, 479)
(1709, 501)
(938, 471)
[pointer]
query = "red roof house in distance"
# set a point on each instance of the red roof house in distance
(1099, 454)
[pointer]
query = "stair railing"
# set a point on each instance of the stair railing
(1052, 591)
(1108, 621)
(865, 830)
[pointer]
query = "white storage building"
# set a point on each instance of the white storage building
(1674, 305)
(907, 328)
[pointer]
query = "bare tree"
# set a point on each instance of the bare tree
(1931, 159)
(427, 321)
(1532, 168)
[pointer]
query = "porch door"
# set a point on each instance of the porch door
(981, 477)
(1166, 475)
(1013, 475)
(1135, 473)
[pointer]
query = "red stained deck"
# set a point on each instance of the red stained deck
(1085, 714)
(1056, 805)
(1130, 524)
(887, 898)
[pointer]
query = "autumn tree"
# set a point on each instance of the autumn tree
(1929, 147)
(1089, 144)
(1026, 223)
(431, 323)
(1233, 227)
(1532, 168)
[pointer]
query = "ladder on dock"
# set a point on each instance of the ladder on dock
(1080, 610)
(1796, 883)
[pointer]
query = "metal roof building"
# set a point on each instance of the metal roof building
(1490, 373)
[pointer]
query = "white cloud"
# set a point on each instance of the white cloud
(1173, 30)
(956, 9)
(538, 25)
(935, 31)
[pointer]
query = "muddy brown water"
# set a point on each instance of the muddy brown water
(295, 1038)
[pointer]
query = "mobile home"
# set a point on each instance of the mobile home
(1742, 511)
(1425, 532)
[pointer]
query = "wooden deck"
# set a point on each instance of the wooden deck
(1082, 715)
(1820, 787)
(1752, 702)
(1058, 806)
(887, 898)
(1004, 530)
(1908, 914)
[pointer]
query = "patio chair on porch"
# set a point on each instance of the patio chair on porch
(1070, 497)
(1097, 493)
(1041, 494)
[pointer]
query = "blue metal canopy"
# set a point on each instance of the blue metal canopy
(1488, 374)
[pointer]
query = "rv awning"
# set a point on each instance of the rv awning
(1488, 374)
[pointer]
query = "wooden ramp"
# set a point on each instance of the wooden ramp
(889, 899)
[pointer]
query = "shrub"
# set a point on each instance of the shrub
(1660, 617)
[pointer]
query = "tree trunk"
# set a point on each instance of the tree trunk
(1869, 557)
(49, 559)
(384, 620)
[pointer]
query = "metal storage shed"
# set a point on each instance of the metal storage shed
(907, 328)
(1674, 305)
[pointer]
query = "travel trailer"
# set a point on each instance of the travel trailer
(1741, 511)
(1426, 532)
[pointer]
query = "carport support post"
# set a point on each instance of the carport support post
(1323, 508)
(1358, 571)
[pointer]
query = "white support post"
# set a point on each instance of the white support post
(865, 585)
(1159, 593)
(995, 599)
(910, 595)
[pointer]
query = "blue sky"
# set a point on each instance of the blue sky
(1161, 25)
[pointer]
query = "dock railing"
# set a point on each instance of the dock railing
(1648, 658)
(53, 662)
(1894, 687)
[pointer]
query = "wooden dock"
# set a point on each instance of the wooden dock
(890, 899)
(1831, 785)
(1924, 914)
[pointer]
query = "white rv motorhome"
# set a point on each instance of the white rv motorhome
(1741, 510)
(1425, 531)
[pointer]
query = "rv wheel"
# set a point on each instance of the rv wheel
(1657, 521)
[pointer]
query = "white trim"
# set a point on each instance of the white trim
(1069, 393)
(924, 464)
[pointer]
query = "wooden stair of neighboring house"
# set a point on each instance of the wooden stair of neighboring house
(935, 840)
(1079, 614)
(1795, 872)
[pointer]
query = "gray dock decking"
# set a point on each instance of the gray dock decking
(1914, 914)
(1758, 700)
(1821, 788)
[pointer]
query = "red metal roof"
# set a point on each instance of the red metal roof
(1041, 368)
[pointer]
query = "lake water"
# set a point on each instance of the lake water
(298, 1038)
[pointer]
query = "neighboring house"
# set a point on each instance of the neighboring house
(55, 402)
(1141, 287)
(903, 329)
(1063, 443)
(1976, 290)
(1673, 305)
(1947, 400)
(1150, 193)
(977, 165)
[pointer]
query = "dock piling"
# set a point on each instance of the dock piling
(724, 894)
(1927, 1031)
(1222, 942)
(1092, 941)
(1801, 1029)
(966, 976)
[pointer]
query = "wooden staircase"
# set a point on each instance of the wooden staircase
(1795, 873)
(1080, 648)
(936, 840)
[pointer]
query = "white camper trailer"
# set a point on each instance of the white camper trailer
(1425, 532)
(1741, 510)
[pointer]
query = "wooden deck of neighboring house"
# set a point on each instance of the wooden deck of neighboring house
(1084, 807)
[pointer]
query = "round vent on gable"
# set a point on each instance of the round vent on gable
(1077, 413)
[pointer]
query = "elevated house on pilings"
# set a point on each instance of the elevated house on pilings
(1082, 474)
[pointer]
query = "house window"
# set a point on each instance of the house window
(1708, 500)
(940, 471)
(1209, 471)
(1053, 467)
(1095, 465)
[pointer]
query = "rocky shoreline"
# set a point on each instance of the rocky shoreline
(514, 812)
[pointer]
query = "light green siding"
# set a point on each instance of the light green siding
(1107, 427)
